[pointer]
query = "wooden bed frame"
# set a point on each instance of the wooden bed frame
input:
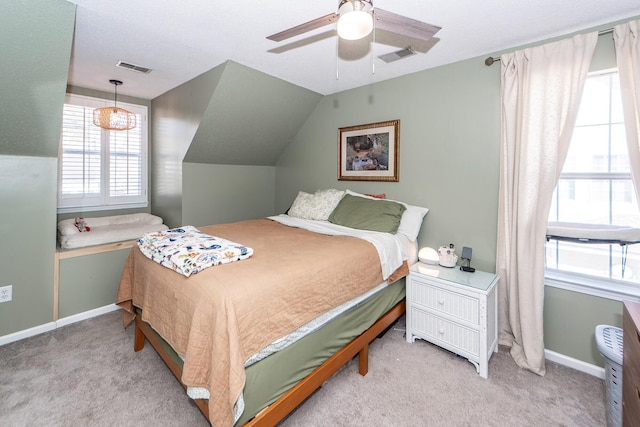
(279, 409)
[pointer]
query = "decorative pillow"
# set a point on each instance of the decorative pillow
(411, 218)
(327, 201)
(316, 206)
(302, 206)
(377, 196)
(368, 214)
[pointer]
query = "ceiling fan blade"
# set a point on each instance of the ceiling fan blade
(303, 28)
(399, 24)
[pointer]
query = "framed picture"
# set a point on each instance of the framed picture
(369, 152)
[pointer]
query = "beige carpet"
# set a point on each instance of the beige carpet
(87, 374)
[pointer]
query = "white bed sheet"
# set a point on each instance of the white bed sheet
(388, 245)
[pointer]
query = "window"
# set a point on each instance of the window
(100, 169)
(596, 187)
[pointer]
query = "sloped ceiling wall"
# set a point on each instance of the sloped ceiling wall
(175, 117)
(250, 119)
(230, 115)
(36, 45)
(35, 41)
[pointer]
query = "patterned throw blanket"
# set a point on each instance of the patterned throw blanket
(187, 250)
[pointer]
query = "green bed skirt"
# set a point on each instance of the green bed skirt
(274, 375)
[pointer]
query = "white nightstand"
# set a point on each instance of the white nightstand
(455, 310)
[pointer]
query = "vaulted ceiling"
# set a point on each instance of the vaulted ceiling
(181, 40)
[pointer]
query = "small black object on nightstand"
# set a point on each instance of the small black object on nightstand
(466, 256)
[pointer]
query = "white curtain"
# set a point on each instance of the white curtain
(627, 41)
(541, 91)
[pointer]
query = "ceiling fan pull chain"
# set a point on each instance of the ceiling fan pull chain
(337, 58)
(373, 43)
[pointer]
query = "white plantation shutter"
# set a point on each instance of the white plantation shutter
(98, 168)
(81, 152)
(125, 162)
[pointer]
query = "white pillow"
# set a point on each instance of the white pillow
(316, 206)
(409, 249)
(411, 220)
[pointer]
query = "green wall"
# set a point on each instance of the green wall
(28, 230)
(251, 118)
(175, 117)
(449, 162)
(108, 96)
(231, 119)
(449, 143)
(90, 281)
(35, 43)
(35, 46)
(216, 194)
(570, 319)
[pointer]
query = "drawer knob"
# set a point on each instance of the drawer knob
(441, 301)
(441, 331)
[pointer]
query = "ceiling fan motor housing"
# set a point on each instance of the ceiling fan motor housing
(355, 5)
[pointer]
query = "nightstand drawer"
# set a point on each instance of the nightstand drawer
(436, 329)
(451, 303)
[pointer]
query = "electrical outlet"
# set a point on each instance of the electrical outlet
(6, 293)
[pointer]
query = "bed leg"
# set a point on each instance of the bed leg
(138, 342)
(363, 360)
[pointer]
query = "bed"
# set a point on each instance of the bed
(250, 340)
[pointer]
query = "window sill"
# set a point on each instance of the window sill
(114, 207)
(603, 288)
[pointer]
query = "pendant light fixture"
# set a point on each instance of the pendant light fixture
(114, 118)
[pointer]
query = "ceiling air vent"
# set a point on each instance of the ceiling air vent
(132, 67)
(398, 54)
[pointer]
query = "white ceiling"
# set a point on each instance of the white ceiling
(181, 40)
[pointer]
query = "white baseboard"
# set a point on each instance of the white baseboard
(47, 327)
(87, 315)
(576, 364)
(20, 335)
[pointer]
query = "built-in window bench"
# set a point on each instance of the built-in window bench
(88, 266)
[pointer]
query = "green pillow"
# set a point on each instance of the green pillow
(368, 214)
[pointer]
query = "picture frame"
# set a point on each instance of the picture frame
(369, 152)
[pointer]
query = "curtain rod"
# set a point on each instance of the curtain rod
(490, 60)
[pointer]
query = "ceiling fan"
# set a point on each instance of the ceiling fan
(356, 19)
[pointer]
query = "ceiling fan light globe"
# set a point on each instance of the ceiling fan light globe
(355, 25)
(356, 19)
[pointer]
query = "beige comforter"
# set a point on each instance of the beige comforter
(226, 313)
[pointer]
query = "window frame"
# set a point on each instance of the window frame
(617, 290)
(610, 288)
(105, 201)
